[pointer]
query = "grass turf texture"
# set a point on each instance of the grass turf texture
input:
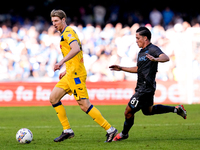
(166, 131)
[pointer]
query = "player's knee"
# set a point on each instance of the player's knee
(146, 112)
(52, 99)
(83, 108)
(84, 104)
(128, 114)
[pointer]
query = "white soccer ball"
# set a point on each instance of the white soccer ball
(24, 135)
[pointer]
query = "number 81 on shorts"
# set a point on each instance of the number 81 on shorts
(134, 102)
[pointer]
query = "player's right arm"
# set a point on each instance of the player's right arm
(126, 69)
(75, 49)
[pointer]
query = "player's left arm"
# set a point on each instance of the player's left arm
(75, 49)
(161, 58)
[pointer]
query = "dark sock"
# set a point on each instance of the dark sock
(128, 123)
(160, 109)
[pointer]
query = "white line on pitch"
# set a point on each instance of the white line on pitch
(95, 126)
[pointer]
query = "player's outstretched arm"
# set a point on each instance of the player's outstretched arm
(162, 58)
(126, 69)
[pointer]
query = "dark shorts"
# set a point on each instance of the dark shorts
(141, 100)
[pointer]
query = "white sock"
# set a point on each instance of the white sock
(68, 131)
(111, 129)
(175, 110)
(121, 135)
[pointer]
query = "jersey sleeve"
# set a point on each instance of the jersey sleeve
(70, 36)
(156, 52)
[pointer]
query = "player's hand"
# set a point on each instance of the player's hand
(115, 68)
(57, 66)
(62, 74)
(150, 57)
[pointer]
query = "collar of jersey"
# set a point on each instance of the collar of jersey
(146, 46)
(63, 30)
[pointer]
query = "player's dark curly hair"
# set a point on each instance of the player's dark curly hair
(143, 31)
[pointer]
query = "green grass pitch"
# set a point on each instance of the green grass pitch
(158, 132)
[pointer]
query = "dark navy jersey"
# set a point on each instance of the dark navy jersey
(147, 69)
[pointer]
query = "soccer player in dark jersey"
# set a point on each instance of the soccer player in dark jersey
(147, 63)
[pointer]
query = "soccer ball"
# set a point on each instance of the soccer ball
(24, 135)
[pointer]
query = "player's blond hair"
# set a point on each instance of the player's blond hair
(58, 13)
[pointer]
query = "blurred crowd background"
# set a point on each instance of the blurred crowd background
(30, 46)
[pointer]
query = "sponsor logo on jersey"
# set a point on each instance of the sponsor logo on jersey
(70, 36)
(142, 58)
